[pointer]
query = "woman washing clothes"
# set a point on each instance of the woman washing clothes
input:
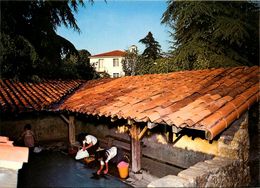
(105, 156)
(90, 144)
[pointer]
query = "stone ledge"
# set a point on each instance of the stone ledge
(170, 181)
(216, 172)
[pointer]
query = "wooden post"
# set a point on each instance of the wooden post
(135, 148)
(72, 131)
(170, 138)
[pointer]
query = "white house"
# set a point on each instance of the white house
(109, 62)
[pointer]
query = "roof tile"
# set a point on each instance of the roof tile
(194, 99)
(22, 96)
(115, 53)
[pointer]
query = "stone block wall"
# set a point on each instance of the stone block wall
(218, 172)
(45, 126)
(8, 177)
(175, 154)
(229, 168)
(234, 142)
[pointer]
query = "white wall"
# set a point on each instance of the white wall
(108, 65)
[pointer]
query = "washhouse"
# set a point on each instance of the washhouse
(182, 129)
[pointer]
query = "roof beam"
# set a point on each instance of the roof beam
(65, 119)
(140, 136)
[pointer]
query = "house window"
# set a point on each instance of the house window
(100, 63)
(115, 75)
(116, 62)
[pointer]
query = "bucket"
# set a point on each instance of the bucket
(123, 169)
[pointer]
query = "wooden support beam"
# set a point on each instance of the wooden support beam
(72, 132)
(64, 118)
(170, 137)
(135, 149)
(151, 125)
(140, 136)
(177, 139)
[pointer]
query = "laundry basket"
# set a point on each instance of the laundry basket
(123, 169)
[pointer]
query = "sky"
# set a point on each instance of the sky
(116, 25)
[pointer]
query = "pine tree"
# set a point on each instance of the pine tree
(153, 48)
(213, 33)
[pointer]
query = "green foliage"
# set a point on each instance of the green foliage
(18, 58)
(158, 66)
(163, 65)
(153, 48)
(77, 67)
(146, 63)
(213, 34)
(30, 47)
(143, 65)
(130, 61)
(103, 75)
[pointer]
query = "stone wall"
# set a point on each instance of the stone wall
(218, 172)
(254, 134)
(179, 153)
(8, 177)
(234, 141)
(229, 168)
(45, 126)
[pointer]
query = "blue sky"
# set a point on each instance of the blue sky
(116, 25)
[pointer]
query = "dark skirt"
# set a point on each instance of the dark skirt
(120, 156)
(92, 150)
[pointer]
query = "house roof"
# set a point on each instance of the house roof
(21, 97)
(115, 53)
(208, 100)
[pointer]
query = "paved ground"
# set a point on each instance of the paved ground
(54, 158)
(55, 169)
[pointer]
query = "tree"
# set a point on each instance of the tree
(153, 48)
(144, 65)
(163, 65)
(31, 26)
(77, 67)
(213, 34)
(129, 64)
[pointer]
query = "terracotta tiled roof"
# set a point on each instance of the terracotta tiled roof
(20, 97)
(115, 53)
(207, 100)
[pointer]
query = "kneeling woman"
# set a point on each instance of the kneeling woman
(113, 154)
